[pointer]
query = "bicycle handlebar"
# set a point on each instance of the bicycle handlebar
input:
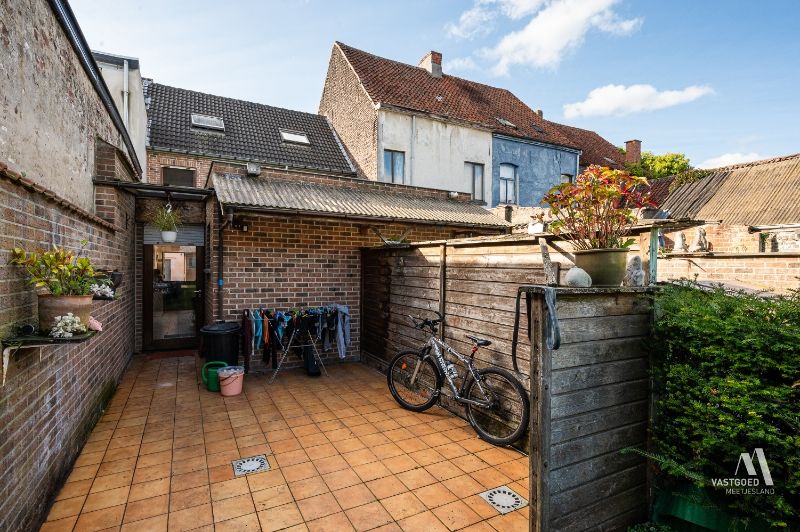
(421, 323)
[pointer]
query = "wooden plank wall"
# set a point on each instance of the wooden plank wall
(597, 404)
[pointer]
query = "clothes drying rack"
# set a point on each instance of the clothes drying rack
(304, 337)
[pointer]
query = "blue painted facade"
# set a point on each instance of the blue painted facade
(539, 167)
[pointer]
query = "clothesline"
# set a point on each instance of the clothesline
(267, 329)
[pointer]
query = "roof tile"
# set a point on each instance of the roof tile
(251, 130)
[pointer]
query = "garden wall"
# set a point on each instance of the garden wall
(54, 395)
(588, 399)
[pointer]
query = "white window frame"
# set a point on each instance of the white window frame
(388, 173)
(504, 184)
(478, 193)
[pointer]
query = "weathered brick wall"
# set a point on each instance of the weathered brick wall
(722, 238)
(49, 110)
(347, 105)
(158, 160)
(769, 271)
(54, 395)
(287, 262)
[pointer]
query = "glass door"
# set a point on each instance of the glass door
(173, 296)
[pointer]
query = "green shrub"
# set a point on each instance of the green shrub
(726, 370)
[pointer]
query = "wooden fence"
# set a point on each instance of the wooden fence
(589, 399)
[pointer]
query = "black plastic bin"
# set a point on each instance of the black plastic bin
(221, 342)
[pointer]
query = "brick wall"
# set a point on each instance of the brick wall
(50, 112)
(352, 113)
(768, 271)
(54, 395)
(289, 261)
(722, 238)
(158, 160)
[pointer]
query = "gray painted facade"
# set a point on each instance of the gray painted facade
(539, 166)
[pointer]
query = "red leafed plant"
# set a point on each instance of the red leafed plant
(597, 210)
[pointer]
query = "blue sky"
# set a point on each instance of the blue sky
(717, 80)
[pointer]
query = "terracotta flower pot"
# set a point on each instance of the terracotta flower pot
(51, 306)
(606, 267)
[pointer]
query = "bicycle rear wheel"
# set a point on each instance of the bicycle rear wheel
(506, 420)
(414, 381)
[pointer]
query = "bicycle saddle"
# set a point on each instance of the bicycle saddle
(480, 342)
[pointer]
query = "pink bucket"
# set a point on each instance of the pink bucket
(231, 380)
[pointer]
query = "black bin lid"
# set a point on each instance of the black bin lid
(222, 327)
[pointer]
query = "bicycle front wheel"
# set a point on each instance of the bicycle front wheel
(505, 420)
(414, 381)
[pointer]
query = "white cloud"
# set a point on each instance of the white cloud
(727, 159)
(475, 22)
(478, 20)
(460, 64)
(554, 31)
(621, 100)
(516, 9)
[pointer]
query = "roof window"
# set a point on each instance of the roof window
(506, 123)
(295, 137)
(208, 122)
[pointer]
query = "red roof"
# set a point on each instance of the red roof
(414, 88)
(596, 149)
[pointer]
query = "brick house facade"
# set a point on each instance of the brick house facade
(60, 133)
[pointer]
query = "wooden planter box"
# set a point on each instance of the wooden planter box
(589, 399)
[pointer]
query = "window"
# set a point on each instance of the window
(180, 177)
(566, 178)
(508, 183)
(208, 122)
(296, 137)
(474, 174)
(394, 163)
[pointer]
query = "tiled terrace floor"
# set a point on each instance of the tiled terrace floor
(344, 456)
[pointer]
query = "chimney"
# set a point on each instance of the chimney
(432, 62)
(540, 113)
(633, 151)
(509, 213)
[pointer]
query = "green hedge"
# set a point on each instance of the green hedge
(727, 380)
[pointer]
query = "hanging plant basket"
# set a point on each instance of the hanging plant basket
(168, 220)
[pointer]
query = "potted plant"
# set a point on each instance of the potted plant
(66, 278)
(596, 213)
(168, 221)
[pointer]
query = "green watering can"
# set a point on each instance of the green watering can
(209, 374)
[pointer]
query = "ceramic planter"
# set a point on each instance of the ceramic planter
(169, 236)
(606, 267)
(51, 306)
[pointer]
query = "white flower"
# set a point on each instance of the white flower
(67, 326)
(102, 290)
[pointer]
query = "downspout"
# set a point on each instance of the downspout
(411, 153)
(125, 94)
(228, 219)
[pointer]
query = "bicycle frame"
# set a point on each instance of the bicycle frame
(439, 347)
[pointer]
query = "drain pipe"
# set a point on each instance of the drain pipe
(125, 95)
(228, 220)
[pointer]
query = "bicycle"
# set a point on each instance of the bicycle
(496, 403)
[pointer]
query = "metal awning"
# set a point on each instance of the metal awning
(149, 190)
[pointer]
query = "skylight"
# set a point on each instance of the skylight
(297, 137)
(208, 122)
(506, 123)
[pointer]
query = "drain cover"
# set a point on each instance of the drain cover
(253, 464)
(504, 499)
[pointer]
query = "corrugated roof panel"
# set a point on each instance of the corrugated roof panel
(758, 193)
(350, 199)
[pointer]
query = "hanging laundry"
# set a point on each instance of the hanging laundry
(247, 333)
(342, 329)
